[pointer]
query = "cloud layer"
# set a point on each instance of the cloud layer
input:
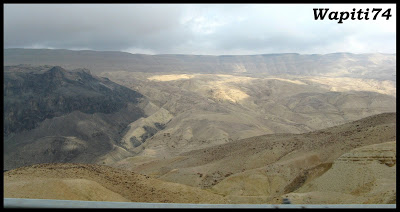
(196, 29)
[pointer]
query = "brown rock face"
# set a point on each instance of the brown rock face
(55, 115)
(366, 175)
(378, 153)
(33, 95)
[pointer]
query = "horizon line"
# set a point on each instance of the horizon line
(119, 51)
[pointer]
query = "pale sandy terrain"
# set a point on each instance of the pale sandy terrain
(213, 109)
(351, 163)
(263, 168)
(366, 175)
(97, 183)
(348, 84)
(219, 88)
(170, 77)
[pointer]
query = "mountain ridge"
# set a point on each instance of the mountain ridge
(55, 92)
(124, 52)
(55, 115)
(336, 64)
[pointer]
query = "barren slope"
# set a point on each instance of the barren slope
(56, 115)
(213, 109)
(262, 168)
(97, 183)
(365, 175)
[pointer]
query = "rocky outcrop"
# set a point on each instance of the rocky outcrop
(377, 153)
(365, 175)
(144, 128)
(31, 97)
(54, 115)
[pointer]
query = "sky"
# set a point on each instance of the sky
(200, 29)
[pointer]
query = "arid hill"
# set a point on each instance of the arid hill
(33, 94)
(198, 128)
(353, 163)
(263, 168)
(55, 115)
(74, 116)
(97, 183)
(195, 111)
(365, 175)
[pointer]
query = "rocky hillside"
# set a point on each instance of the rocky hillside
(264, 168)
(354, 163)
(202, 110)
(91, 182)
(365, 175)
(55, 115)
(32, 96)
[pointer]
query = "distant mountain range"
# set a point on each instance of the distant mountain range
(371, 66)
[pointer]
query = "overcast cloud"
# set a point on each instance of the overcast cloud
(196, 29)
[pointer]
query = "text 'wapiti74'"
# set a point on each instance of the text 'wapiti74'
(320, 13)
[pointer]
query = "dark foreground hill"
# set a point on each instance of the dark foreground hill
(55, 115)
